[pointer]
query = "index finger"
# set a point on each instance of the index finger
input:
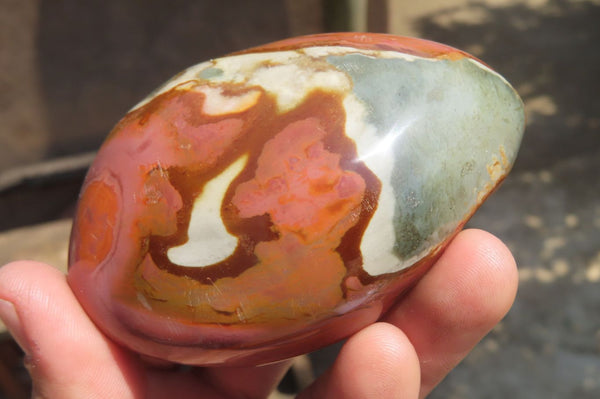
(467, 292)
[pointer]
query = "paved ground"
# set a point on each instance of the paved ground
(69, 70)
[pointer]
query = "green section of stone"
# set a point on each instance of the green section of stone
(449, 120)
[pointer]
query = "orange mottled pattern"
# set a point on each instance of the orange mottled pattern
(312, 202)
(96, 220)
(300, 185)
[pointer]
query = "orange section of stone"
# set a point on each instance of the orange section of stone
(312, 202)
(368, 41)
(95, 222)
(300, 184)
(160, 203)
(292, 281)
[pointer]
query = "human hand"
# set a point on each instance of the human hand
(406, 355)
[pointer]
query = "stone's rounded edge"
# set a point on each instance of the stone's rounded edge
(368, 41)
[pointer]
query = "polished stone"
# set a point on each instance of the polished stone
(267, 203)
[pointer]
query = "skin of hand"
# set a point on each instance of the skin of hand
(405, 355)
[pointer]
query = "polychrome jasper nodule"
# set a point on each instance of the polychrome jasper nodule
(273, 201)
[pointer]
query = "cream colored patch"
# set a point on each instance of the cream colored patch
(377, 245)
(289, 76)
(292, 83)
(216, 103)
(209, 241)
(379, 239)
(240, 68)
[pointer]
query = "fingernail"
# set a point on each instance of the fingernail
(10, 318)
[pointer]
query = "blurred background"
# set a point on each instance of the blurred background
(69, 70)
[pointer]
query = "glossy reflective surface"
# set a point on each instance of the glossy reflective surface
(267, 203)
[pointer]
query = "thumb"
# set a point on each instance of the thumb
(66, 355)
